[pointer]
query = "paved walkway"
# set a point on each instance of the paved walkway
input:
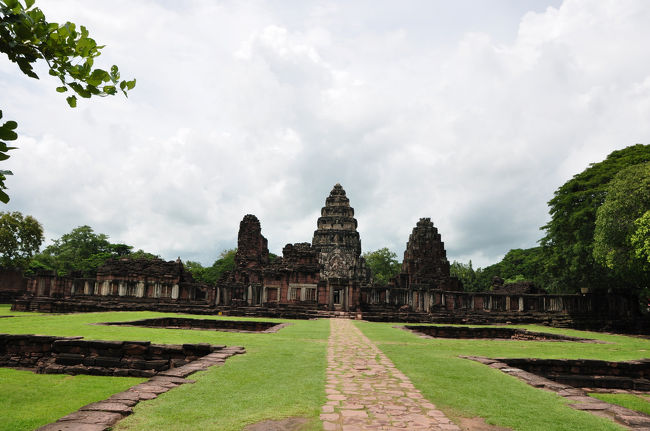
(366, 392)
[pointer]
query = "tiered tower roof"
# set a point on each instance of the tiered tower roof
(425, 259)
(337, 227)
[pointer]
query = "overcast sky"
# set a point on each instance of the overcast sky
(468, 112)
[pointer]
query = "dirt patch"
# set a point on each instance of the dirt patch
(478, 424)
(288, 424)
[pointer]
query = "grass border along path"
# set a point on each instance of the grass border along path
(281, 375)
(465, 388)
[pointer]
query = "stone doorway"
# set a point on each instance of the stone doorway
(337, 298)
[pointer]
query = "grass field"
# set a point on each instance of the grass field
(283, 375)
(466, 388)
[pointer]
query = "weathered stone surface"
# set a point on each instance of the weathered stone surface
(366, 392)
(72, 426)
(109, 406)
(425, 260)
(92, 417)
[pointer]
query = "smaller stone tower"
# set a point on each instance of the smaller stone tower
(425, 260)
(252, 247)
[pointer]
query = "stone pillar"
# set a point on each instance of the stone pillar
(249, 295)
(521, 303)
(330, 293)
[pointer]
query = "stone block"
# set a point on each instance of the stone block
(108, 361)
(69, 359)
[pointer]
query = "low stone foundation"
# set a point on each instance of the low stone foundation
(204, 324)
(73, 355)
(492, 333)
(588, 373)
(576, 393)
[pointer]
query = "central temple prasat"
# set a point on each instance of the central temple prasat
(330, 273)
(326, 277)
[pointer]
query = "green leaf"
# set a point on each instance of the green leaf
(7, 135)
(11, 4)
(11, 125)
(4, 148)
(72, 101)
(4, 197)
(115, 73)
(130, 84)
(3, 156)
(5, 172)
(79, 89)
(97, 77)
(29, 3)
(62, 89)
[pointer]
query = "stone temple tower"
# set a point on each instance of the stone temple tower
(336, 239)
(337, 243)
(425, 260)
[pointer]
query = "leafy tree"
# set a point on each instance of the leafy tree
(467, 275)
(628, 198)
(26, 37)
(82, 251)
(20, 238)
(141, 254)
(212, 274)
(568, 242)
(383, 264)
(640, 240)
(196, 269)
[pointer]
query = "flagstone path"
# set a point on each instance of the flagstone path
(366, 392)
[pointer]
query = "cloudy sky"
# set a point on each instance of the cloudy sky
(468, 112)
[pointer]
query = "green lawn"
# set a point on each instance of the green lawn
(29, 400)
(283, 375)
(466, 388)
(629, 401)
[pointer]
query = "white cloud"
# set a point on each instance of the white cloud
(247, 107)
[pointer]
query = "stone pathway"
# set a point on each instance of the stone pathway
(366, 392)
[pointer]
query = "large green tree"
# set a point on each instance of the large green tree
(211, 274)
(640, 240)
(82, 251)
(467, 275)
(27, 37)
(383, 264)
(20, 239)
(628, 199)
(568, 242)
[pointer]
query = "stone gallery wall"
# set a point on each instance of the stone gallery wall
(128, 284)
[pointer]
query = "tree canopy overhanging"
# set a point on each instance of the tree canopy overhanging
(27, 37)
